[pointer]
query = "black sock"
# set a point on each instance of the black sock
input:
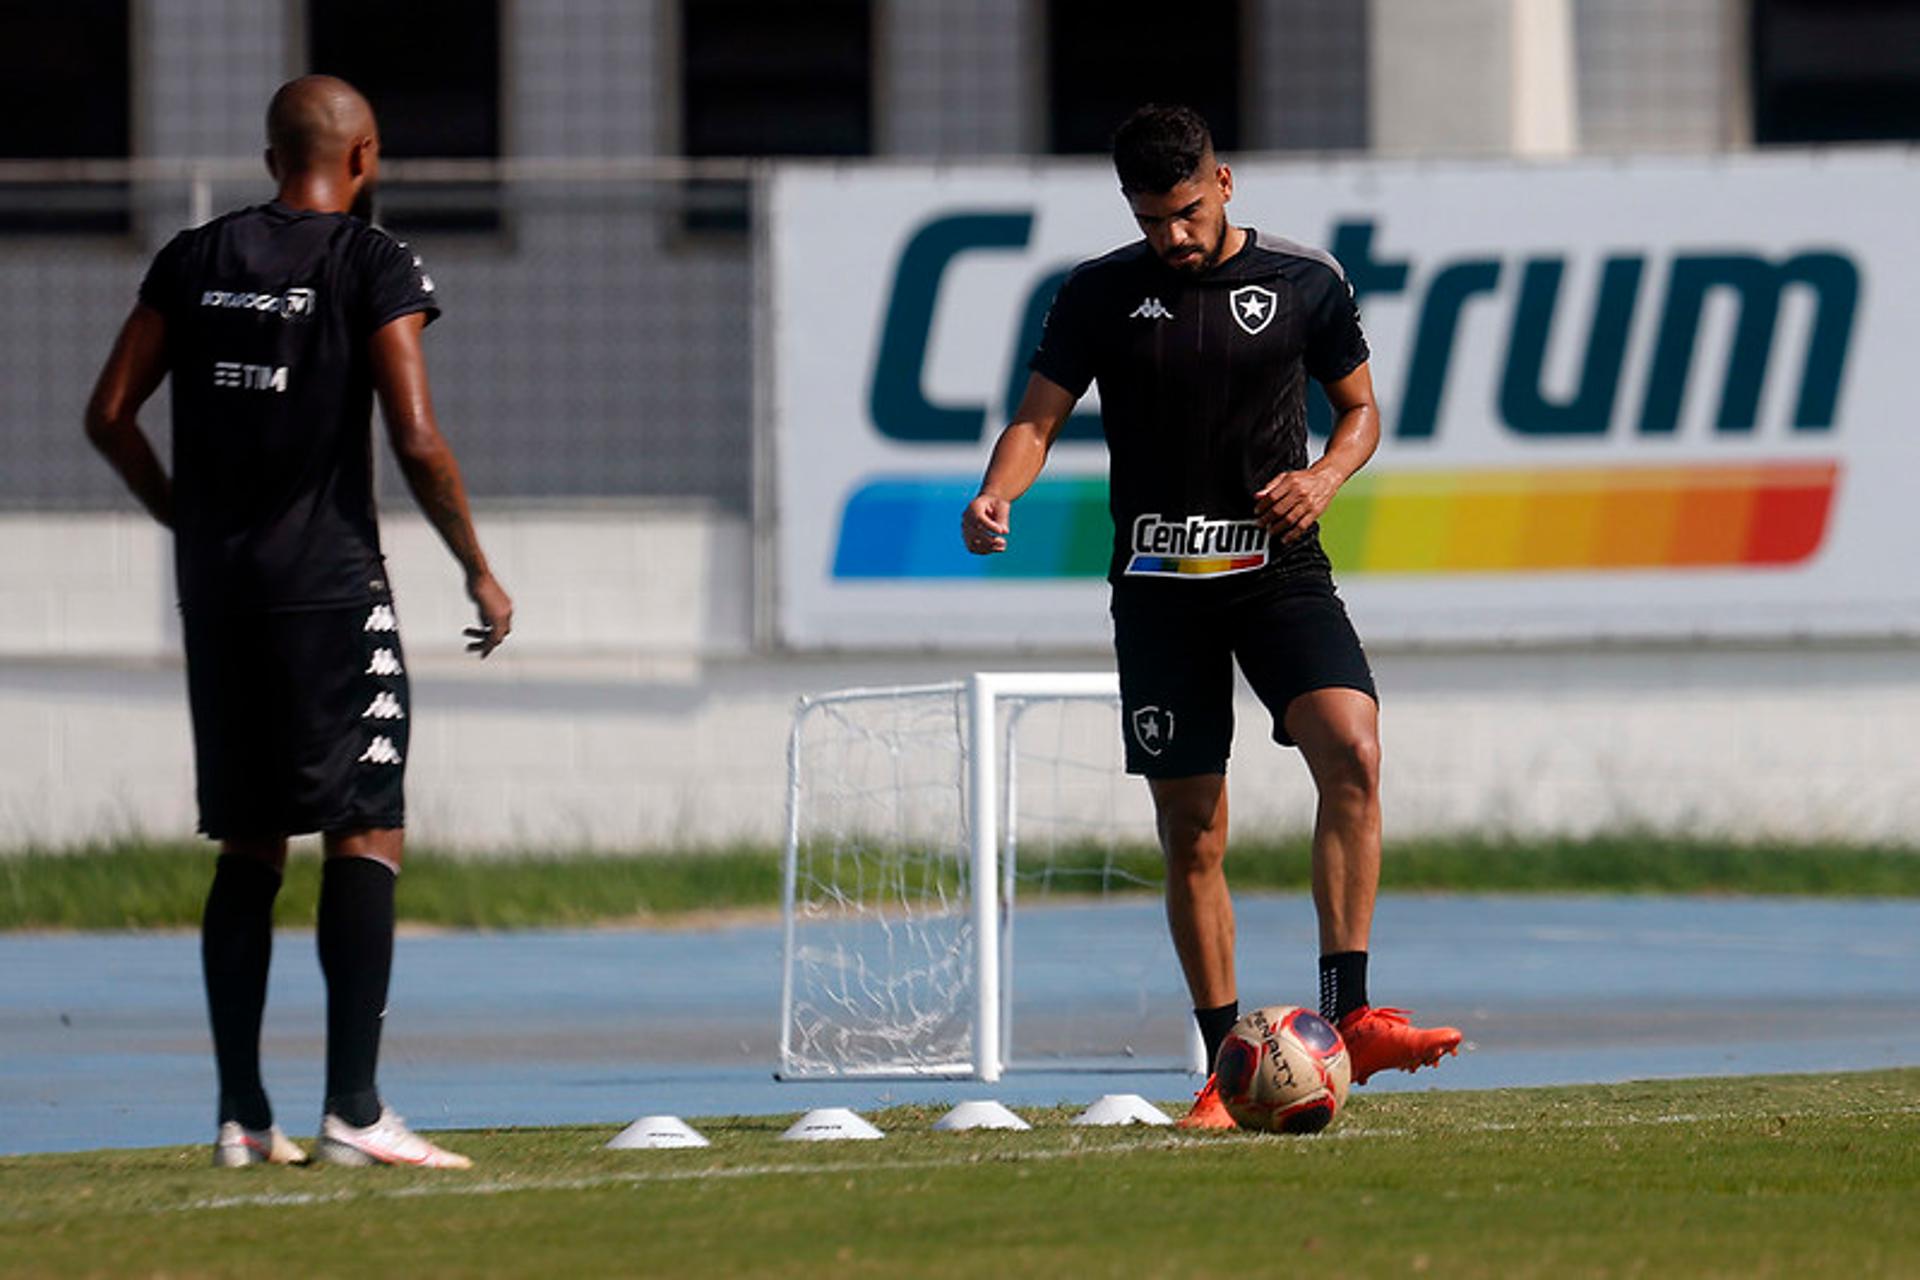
(236, 946)
(1343, 984)
(355, 935)
(1214, 1025)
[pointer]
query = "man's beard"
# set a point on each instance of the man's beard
(1199, 260)
(363, 206)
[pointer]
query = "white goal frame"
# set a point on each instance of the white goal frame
(991, 848)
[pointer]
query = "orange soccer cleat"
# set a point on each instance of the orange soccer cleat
(1383, 1040)
(1208, 1111)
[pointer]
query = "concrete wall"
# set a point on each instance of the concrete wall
(1662, 75)
(629, 710)
(641, 752)
(1545, 77)
(588, 583)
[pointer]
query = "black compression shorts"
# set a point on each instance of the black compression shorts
(1176, 648)
(299, 719)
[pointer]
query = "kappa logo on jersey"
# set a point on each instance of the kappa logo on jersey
(294, 304)
(1151, 309)
(249, 377)
(1196, 546)
(382, 619)
(426, 281)
(384, 663)
(1253, 306)
(380, 751)
(1152, 729)
(385, 706)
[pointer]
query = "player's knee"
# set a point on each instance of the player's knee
(1353, 764)
(1194, 839)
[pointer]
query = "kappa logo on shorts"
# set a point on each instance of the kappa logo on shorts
(380, 751)
(385, 706)
(1152, 729)
(385, 663)
(382, 619)
(1253, 306)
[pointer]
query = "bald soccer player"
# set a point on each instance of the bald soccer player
(278, 323)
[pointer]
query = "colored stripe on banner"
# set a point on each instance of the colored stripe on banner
(910, 528)
(1582, 519)
(1406, 522)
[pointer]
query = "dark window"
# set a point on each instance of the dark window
(771, 78)
(1836, 70)
(1107, 57)
(64, 77)
(431, 68)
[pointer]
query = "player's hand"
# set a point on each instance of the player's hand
(984, 524)
(1292, 501)
(496, 614)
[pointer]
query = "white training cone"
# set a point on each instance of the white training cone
(1122, 1108)
(831, 1124)
(651, 1132)
(980, 1115)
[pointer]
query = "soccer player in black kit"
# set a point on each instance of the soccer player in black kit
(1201, 336)
(277, 324)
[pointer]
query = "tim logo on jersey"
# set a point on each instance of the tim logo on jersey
(1194, 546)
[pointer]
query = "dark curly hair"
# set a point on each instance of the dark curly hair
(1158, 147)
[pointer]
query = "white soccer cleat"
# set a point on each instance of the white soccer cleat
(237, 1146)
(385, 1141)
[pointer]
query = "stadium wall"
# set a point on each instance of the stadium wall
(630, 711)
(592, 347)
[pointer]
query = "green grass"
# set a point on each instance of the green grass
(151, 885)
(1781, 1176)
(164, 886)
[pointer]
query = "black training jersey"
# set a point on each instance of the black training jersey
(1203, 396)
(269, 311)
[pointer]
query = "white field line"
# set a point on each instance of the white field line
(1166, 1142)
(592, 1181)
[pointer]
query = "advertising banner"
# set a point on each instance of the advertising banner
(1649, 398)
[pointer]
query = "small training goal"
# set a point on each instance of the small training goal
(971, 886)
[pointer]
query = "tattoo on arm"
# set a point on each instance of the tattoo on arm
(437, 487)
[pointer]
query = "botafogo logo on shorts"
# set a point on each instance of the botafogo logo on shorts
(1152, 729)
(1190, 546)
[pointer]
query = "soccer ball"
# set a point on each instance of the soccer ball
(1283, 1069)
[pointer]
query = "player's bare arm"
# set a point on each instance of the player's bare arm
(133, 371)
(406, 400)
(1018, 456)
(1290, 503)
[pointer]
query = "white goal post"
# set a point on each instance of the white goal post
(902, 858)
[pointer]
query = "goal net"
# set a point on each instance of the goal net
(971, 885)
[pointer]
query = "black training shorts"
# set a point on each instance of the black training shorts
(1177, 642)
(299, 719)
